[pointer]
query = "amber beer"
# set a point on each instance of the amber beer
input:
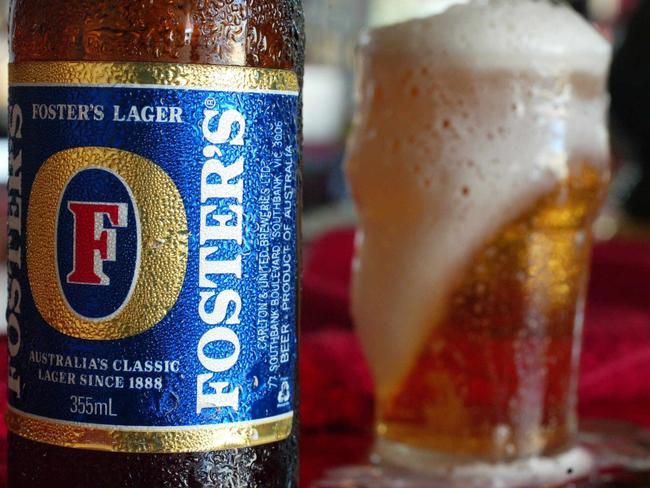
(478, 163)
(144, 140)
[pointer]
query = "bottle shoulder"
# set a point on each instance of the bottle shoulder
(266, 34)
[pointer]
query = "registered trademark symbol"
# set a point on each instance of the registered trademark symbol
(210, 102)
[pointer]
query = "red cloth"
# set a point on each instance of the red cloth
(615, 369)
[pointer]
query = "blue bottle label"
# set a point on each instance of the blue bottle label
(152, 255)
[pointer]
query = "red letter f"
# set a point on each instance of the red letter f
(93, 243)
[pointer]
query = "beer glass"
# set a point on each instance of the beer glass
(478, 162)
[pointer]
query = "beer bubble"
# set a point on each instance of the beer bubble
(502, 434)
(480, 289)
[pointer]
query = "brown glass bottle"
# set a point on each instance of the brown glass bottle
(252, 33)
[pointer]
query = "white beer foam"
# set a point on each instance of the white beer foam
(436, 171)
(412, 468)
(508, 34)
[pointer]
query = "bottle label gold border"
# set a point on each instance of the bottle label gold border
(160, 75)
(151, 440)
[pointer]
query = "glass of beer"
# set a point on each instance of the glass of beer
(478, 162)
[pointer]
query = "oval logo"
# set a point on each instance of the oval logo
(97, 243)
(107, 243)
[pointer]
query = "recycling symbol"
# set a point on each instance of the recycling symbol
(285, 393)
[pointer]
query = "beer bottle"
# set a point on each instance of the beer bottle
(153, 243)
